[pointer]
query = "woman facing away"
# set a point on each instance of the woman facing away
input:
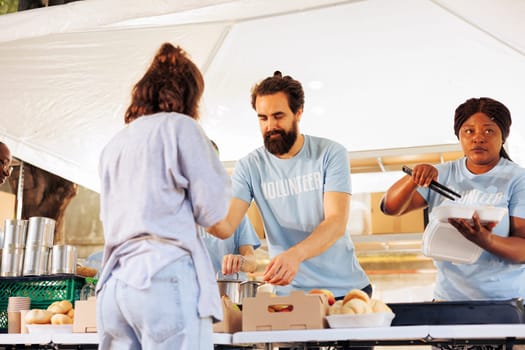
(160, 177)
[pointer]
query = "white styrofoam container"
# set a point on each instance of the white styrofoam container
(486, 213)
(441, 241)
(494, 214)
(376, 319)
(49, 328)
(444, 212)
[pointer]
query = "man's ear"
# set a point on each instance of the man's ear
(299, 114)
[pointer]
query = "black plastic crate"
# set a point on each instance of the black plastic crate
(43, 290)
(458, 312)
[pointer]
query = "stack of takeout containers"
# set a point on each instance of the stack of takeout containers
(39, 241)
(13, 247)
(14, 307)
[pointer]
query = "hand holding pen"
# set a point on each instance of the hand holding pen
(432, 184)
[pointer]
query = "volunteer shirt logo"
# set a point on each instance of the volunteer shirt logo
(474, 197)
(292, 186)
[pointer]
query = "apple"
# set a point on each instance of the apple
(329, 295)
(280, 308)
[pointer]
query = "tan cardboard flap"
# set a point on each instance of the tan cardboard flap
(85, 320)
(232, 317)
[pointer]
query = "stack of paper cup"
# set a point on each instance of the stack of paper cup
(14, 306)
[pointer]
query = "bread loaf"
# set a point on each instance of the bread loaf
(60, 307)
(335, 308)
(356, 306)
(358, 302)
(38, 316)
(61, 319)
(356, 294)
(379, 306)
(86, 271)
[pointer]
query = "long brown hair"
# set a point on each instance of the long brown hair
(172, 83)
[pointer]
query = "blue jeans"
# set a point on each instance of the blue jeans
(163, 316)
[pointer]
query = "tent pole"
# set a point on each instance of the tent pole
(20, 192)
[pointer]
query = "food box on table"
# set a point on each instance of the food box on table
(232, 317)
(299, 310)
(85, 320)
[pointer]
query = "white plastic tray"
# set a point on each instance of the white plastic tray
(442, 241)
(377, 319)
(49, 328)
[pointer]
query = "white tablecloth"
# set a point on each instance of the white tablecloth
(406, 334)
(379, 333)
(78, 338)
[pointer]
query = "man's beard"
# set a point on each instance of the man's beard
(283, 144)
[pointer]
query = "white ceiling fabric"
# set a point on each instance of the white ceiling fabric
(377, 73)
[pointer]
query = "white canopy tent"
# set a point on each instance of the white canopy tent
(377, 73)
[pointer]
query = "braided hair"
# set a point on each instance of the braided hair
(172, 83)
(277, 83)
(495, 110)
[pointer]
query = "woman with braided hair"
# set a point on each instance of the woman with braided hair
(485, 176)
(160, 177)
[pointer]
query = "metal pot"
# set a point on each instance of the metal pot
(12, 262)
(63, 259)
(230, 288)
(237, 290)
(40, 231)
(36, 258)
(248, 289)
(15, 234)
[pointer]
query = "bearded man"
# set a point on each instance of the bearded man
(301, 185)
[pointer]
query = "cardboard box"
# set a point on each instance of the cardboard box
(85, 320)
(232, 317)
(298, 310)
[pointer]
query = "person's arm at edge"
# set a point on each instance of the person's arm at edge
(245, 261)
(249, 263)
(227, 226)
(402, 197)
(336, 210)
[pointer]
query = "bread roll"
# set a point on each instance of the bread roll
(356, 306)
(61, 319)
(356, 294)
(379, 306)
(38, 316)
(71, 313)
(335, 308)
(60, 307)
(86, 271)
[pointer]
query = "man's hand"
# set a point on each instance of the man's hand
(232, 263)
(282, 269)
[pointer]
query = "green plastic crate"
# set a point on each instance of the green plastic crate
(43, 290)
